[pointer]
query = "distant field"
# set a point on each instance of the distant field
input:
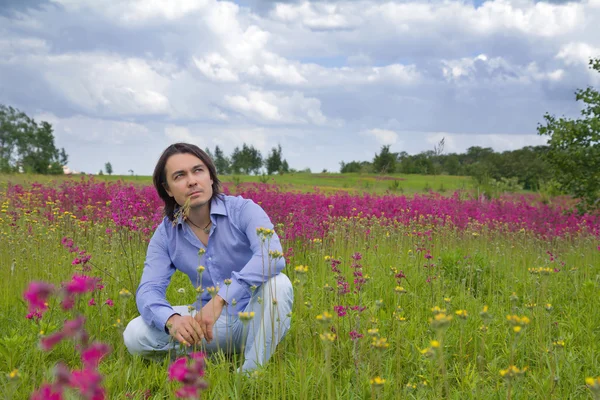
(303, 182)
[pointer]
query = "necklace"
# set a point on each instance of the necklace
(206, 229)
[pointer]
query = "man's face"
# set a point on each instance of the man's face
(188, 177)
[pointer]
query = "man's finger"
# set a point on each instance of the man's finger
(181, 340)
(209, 332)
(191, 330)
(197, 330)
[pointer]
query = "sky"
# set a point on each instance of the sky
(330, 81)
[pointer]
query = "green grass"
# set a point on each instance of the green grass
(303, 182)
(469, 270)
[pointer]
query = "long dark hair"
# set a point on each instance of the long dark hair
(160, 179)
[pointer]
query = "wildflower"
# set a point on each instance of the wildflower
(125, 293)
(275, 254)
(379, 303)
(530, 305)
(200, 269)
(400, 289)
(513, 297)
(324, 318)
(447, 300)
(377, 381)
(201, 252)
(593, 383)
(436, 310)
(340, 310)
(355, 335)
(181, 290)
(227, 282)
(301, 269)
(512, 372)
(92, 355)
(461, 314)
(440, 321)
(327, 337)
(373, 332)
(37, 295)
(212, 290)
(435, 344)
(109, 302)
(92, 302)
(559, 343)
(548, 307)
(245, 316)
(14, 374)
(380, 343)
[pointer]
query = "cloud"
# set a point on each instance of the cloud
(319, 77)
(383, 136)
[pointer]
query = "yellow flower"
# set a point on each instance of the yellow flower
(377, 381)
(327, 337)
(380, 343)
(245, 316)
(373, 332)
(301, 269)
(461, 314)
(324, 318)
(512, 372)
(14, 374)
(435, 344)
(400, 289)
(200, 269)
(125, 293)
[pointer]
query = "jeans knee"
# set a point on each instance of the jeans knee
(131, 337)
(285, 290)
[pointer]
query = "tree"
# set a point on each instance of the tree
(385, 161)
(273, 163)
(247, 160)
(438, 150)
(108, 168)
(574, 148)
(26, 146)
(222, 163)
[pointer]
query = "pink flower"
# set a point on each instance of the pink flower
(37, 295)
(82, 284)
(178, 370)
(340, 310)
(92, 302)
(109, 302)
(47, 392)
(355, 335)
(48, 342)
(88, 381)
(92, 355)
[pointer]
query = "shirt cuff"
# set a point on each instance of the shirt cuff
(161, 316)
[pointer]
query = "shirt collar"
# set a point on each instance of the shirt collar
(217, 207)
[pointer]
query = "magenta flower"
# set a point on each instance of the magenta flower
(109, 302)
(88, 382)
(178, 370)
(93, 354)
(92, 302)
(47, 392)
(82, 284)
(355, 335)
(37, 295)
(47, 343)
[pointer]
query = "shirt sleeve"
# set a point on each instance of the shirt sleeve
(151, 293)
(261, 265)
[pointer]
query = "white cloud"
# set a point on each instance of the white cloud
(179, 134)
(383, 136)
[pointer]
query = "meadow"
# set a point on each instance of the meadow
(424, 296)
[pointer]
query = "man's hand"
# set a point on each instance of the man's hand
(208, 315)
(185, 330)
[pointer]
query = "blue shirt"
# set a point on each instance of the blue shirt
(234, 251)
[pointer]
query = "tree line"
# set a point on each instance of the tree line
(28, 146)
(528, 165)
(249, 160)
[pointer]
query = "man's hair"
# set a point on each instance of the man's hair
(160, 178)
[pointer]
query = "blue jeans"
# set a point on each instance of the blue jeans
(271, 304)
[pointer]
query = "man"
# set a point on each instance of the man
(217, 241)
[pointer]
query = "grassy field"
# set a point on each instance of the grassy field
(443, 312)
(303, 182)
